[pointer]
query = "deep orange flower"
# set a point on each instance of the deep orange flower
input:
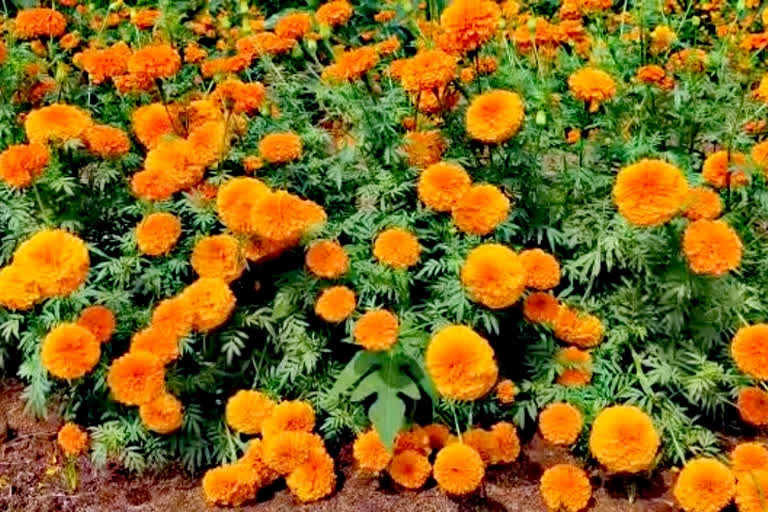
(289, 416)
(397, 247)
(99, 320)
(468, 24)
(624, 439)
(218, 256)
(106, 141)
(484, 443)
(56, 261)
(481, 209)
(173, 317)
(136, 378)
(370, 453)
(18, 289)
(151, 122)
(243, 97)
(751, 491)
(759, 154)
(145, 18)
(723, 169)
(593, 86)
(209, 142)
(175, 161)
(427, 71)
(424, 148)
(410, 468)
(748, 457)
(21, 164)
(155, 61)
(247, 409)
(749, 350)
(254, 46)
(334, 13)
(104, 63)
(712, 247)
(560, 423)
(352, 64)
(442, 185)
(579, 329)
(650, 192)
(211, 302)
(314, 479)
(39, 22)
(437, 434)
(461, 363)
(194, 54)
(458, 469)
(280, 215)
(157, 342)
(693, 60)
(163, 414)
(493, 275)
(506, 391)
(280, 148)
(753, 406)
(507, 447)
(260, 250)
(327, 259)
(541, 268)
(703, 203)
(230, 485)
(70, 351)
(335, 304)
(415, 438)
(293, 26)
(236, 203)
(654, 75)
(157, 233)
(704, 484)
(72, 439)
(565, 487)
(495, 116)
(56, 123)
(576, 367)
(541, 308)
(286, 451)
(376, 330)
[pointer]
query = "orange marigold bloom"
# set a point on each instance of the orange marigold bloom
(211, 302)
(693, 60)
(495, 116)
(151, 123)
(218, 256)
(56, 261)
(236, 202)
(468, 24)
(155, 61)
(136, 378)
(145, 18)
(193, 53)
(254, 46)
(243, 97)
(428, 70)
(577, 328)
(334, 13)
(70, 351)
(175, 161)
(397, 247)
(753, 406)
(541, 268)
(157, 233)
(157, 342)
(410, 468)
(173, 317)
(493, 275)
(541, 308)
(577, 367)
(703, 203)
(230, 485)
(289, 416)
(481, 209)
(424, 148)
(506, 391)
(415, 438)
(352, 64)
(106, 141)
(748, 457)
(484, 443)
(759, 154)
(650, 192)
(280, 148)
(293, 26)
(133, 83)
(247, 409)
(163, 414)
(751, 490)
(704, 485)
(437, 434)
(655, 75)
(593, 86)
(260, 250)
(560, 423)
(39, 22)
(72, 439)
(21, 164)
(724, 169)
(209, 143)
(507, 447)
(624, 439)
(442, 185)
(104, 63)
(56, 123)
(327, 259)
(18, 289)
(565, 487)
(712, 247)
(749, 350)
(280, 215)
(376, 330)
(370, 453)
(99, 320)
(335, 304)
(314, 479)
(458, 469)
(285, 451)
(388, 46)
(461, 363)
(153, 185)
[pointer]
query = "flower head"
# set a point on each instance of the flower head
(211, 302)
(506, 391)
(458, 469)
(650, 192)
(753, 406)
(481, 209)
(577, 328)
(724, 169)
(560, 423)
(70, 351)
(376, 330)
(286, 451)
(72, 439)
(289, 416)
(495, 116)
(424, 148)
(57, 261)
(247, 409)
(712, 247)
(593, 86)
(624, 439)
(565, 487)
(441, 185)
(236, 203)
(352, 64)
(293, 26)
(749, 349)
(410, 468)
(56, 123)
(327, 259)
(493, 275)
(541, 308)
(157, 342)
(702, 203)
(18, 290)
(576, 367)
(541, 268)
(507, 446)
(155, 61)
(334, 13)
(370, 453)
(39, 22)
(106, 141)
(157, 233)
(704, 484)
(21, 164)
(173, 317)
(218, 256)
(280, 148)
(747, 457)
(99, 320)
(162, 415)
(427, 71)
(230, 485)
(314, 479)
(335, 304)
(468, 24)
(136, 378)
(397, 247)
(152, 122)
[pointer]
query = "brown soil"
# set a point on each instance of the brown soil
(31, 480)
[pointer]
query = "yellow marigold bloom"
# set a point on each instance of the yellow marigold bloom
(247, 409)
(155, 61)
(493, 275)
(541, 268)
(480, 210)
(230, 485)
(218, 256)
(334, 13)
(749, 350)
(748, 457)
(661, 37)
(424, 148)
(70, 351)
(576, 367)
(352, 64)
(314, 479)
(293, 26)
(703, 203)
(507, 447)
(565, 487)
(21, 164)
(441, 185)
(725, 170)
(506, 391)
(236, 203)
(458, 469)
(560, 423)
(157, 343)
(427, 71)
(624, 439)
(370, 453)
(163, 414)
(72, 439)
(18, 290)
(106, 141)
(410, 468)
(335, 304)
(753, 406)
(157, 233)
(468, 24)
(593, 86)
(56, 123)
(57, 261)
(99, 320)
(650, 192)
(712, 247)
(327, 259)
(211, 302)
(39, 22)
(577, 328)
(461, 363)
(751, 490)
(541, 308)
(397, 247)
(495, 116)
(136, 378)
(376, 330)
(286, 451)
(150, 123)
(704, 485)
(280, 148)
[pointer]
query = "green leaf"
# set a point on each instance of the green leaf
(419, 374)
(388, 416)
(358, 366)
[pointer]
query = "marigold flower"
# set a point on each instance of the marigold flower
(753, 406)
(370, 453)
(461, 363)
(289, 416)
(293, 26)
(21, 164)
(104, 63)
(230, 485)
(493, 275)
(437, 434)
(468, 24)
(56, 123)
(243, 97)
(211, 302)
(163, 414)
(155, 61)
(72, 439)
(18, 289)
(723, 169)
(541, 308)
(280, 148)
(624, 439)
(480, 210)
(352, 64)
(280, 215)
(759, 154)
(650, 192)
(749, 350)
(157, 342)
(507, 447)
(415, 438)
(397, 247)
(247, 409)
(208, 142)
(655, 75)
(99, 320)
(751, 490)
(593, 86)
(106, 141)
(314, 479)
(70, 351)
(327, 259)
(424, 148)
(711, 247)
(748, 457)
(693, 60)
(136, 378)
(254, 459)
(495, 116)
(174, 160)
(703, 203)
(250, 47)
(334, 13)
(458, 469)
(286, 451)
(560, 423)
(506, 391)
(236, 202)
(39, 22)
(565, 487)
(376, 330)
(335, 304)
(157, 233)
(260, 250)
(577, 367)
(145, 18)
(484, 443)
(441, 185)
(194, 54)
(150, 123)
(704, 485)
(410, 468)
(577, 328)
(173, 317)
(541, 268)
(218, 256)
(428, 70)
(56, 261)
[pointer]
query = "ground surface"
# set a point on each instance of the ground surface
(31, 481)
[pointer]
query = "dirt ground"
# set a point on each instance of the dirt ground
(31, 480)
